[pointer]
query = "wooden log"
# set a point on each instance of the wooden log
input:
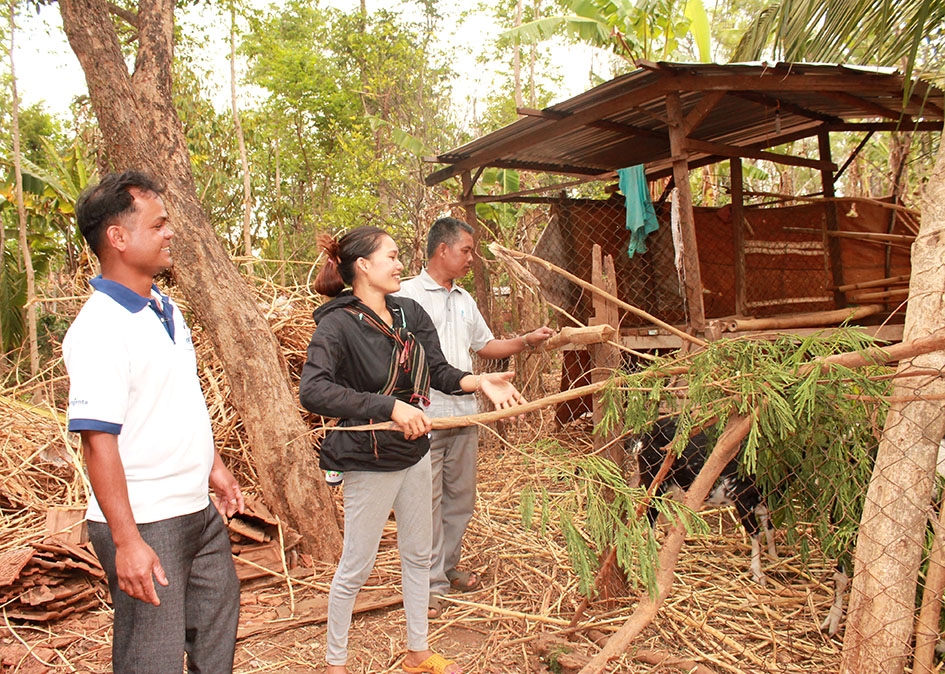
(809, 320)
(594, 334)
(878, 283)
(881, 295)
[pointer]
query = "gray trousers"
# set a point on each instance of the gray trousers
(200, 606)
(453, 460)
(369, 498)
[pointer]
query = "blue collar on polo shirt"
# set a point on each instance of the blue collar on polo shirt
(134, 302)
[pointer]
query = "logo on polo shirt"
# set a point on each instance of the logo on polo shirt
(75, 402)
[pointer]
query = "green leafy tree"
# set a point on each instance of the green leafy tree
(353, 106)
(654, 30)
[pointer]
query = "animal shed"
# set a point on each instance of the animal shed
(806, 266)
(737, 262)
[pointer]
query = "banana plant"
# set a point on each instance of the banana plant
(648, 29)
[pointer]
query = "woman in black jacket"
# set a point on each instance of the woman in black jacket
(373, 358)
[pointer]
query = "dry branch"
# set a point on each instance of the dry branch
(506, 254)
(442, 423)
(725, 450)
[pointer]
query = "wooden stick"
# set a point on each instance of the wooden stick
(812, 319)
(442, 423)
(865, 236)
(506, 253)
(881, 295)
(878, 283)
(875, 202)
(594, 334)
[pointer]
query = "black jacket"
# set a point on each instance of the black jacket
(348, 362)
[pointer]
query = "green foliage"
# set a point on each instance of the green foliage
(12, 298)
(814, 431)
(864, 32)
(595, 510)
(650, 30)
(353, 104)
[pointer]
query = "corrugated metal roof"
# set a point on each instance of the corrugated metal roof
(745, 106)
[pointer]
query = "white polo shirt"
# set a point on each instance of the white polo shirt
(462, 331)
(133, 373)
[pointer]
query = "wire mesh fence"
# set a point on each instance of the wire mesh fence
(791, 263)
(839, 477)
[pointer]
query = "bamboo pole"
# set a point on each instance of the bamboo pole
(443, 423)
(877, 283)
(881, 295)
(839, 200)
(809, 320)
(506, 253)
(865, 236)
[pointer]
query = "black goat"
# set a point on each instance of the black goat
(729, 489)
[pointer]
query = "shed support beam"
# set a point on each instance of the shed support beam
(480, 273)
(724, 150)
(738, 235)
(833, 242)
(690, 260)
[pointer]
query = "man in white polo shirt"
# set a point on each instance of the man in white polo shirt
(462, 331)
(135, 398)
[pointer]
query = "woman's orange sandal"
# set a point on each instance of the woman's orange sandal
(435, 664)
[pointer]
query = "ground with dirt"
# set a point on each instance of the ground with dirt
(716, 616)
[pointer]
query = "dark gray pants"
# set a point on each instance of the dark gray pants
(199, 610)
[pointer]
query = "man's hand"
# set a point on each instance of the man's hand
(498, 388)
(137, 565)
(229, 499)
(537, 336)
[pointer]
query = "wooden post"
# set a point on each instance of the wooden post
(605, 358)
(481, 279)
(833, 242)
(677, 144)
(738, 235)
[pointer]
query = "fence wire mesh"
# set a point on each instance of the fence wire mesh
(866, 485)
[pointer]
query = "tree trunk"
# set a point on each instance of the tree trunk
(141, 128)
(241, 140)
(892, 529)
(21, 215)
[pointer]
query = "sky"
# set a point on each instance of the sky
(49, 73)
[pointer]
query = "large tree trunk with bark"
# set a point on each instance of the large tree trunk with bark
(141, 129)
(891, 539)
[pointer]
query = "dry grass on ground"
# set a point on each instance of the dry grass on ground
(716, 615)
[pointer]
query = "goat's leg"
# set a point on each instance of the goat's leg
(756, 573)
(831, 624)
(764, 518)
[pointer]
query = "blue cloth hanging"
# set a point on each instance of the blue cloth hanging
(641, 218)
